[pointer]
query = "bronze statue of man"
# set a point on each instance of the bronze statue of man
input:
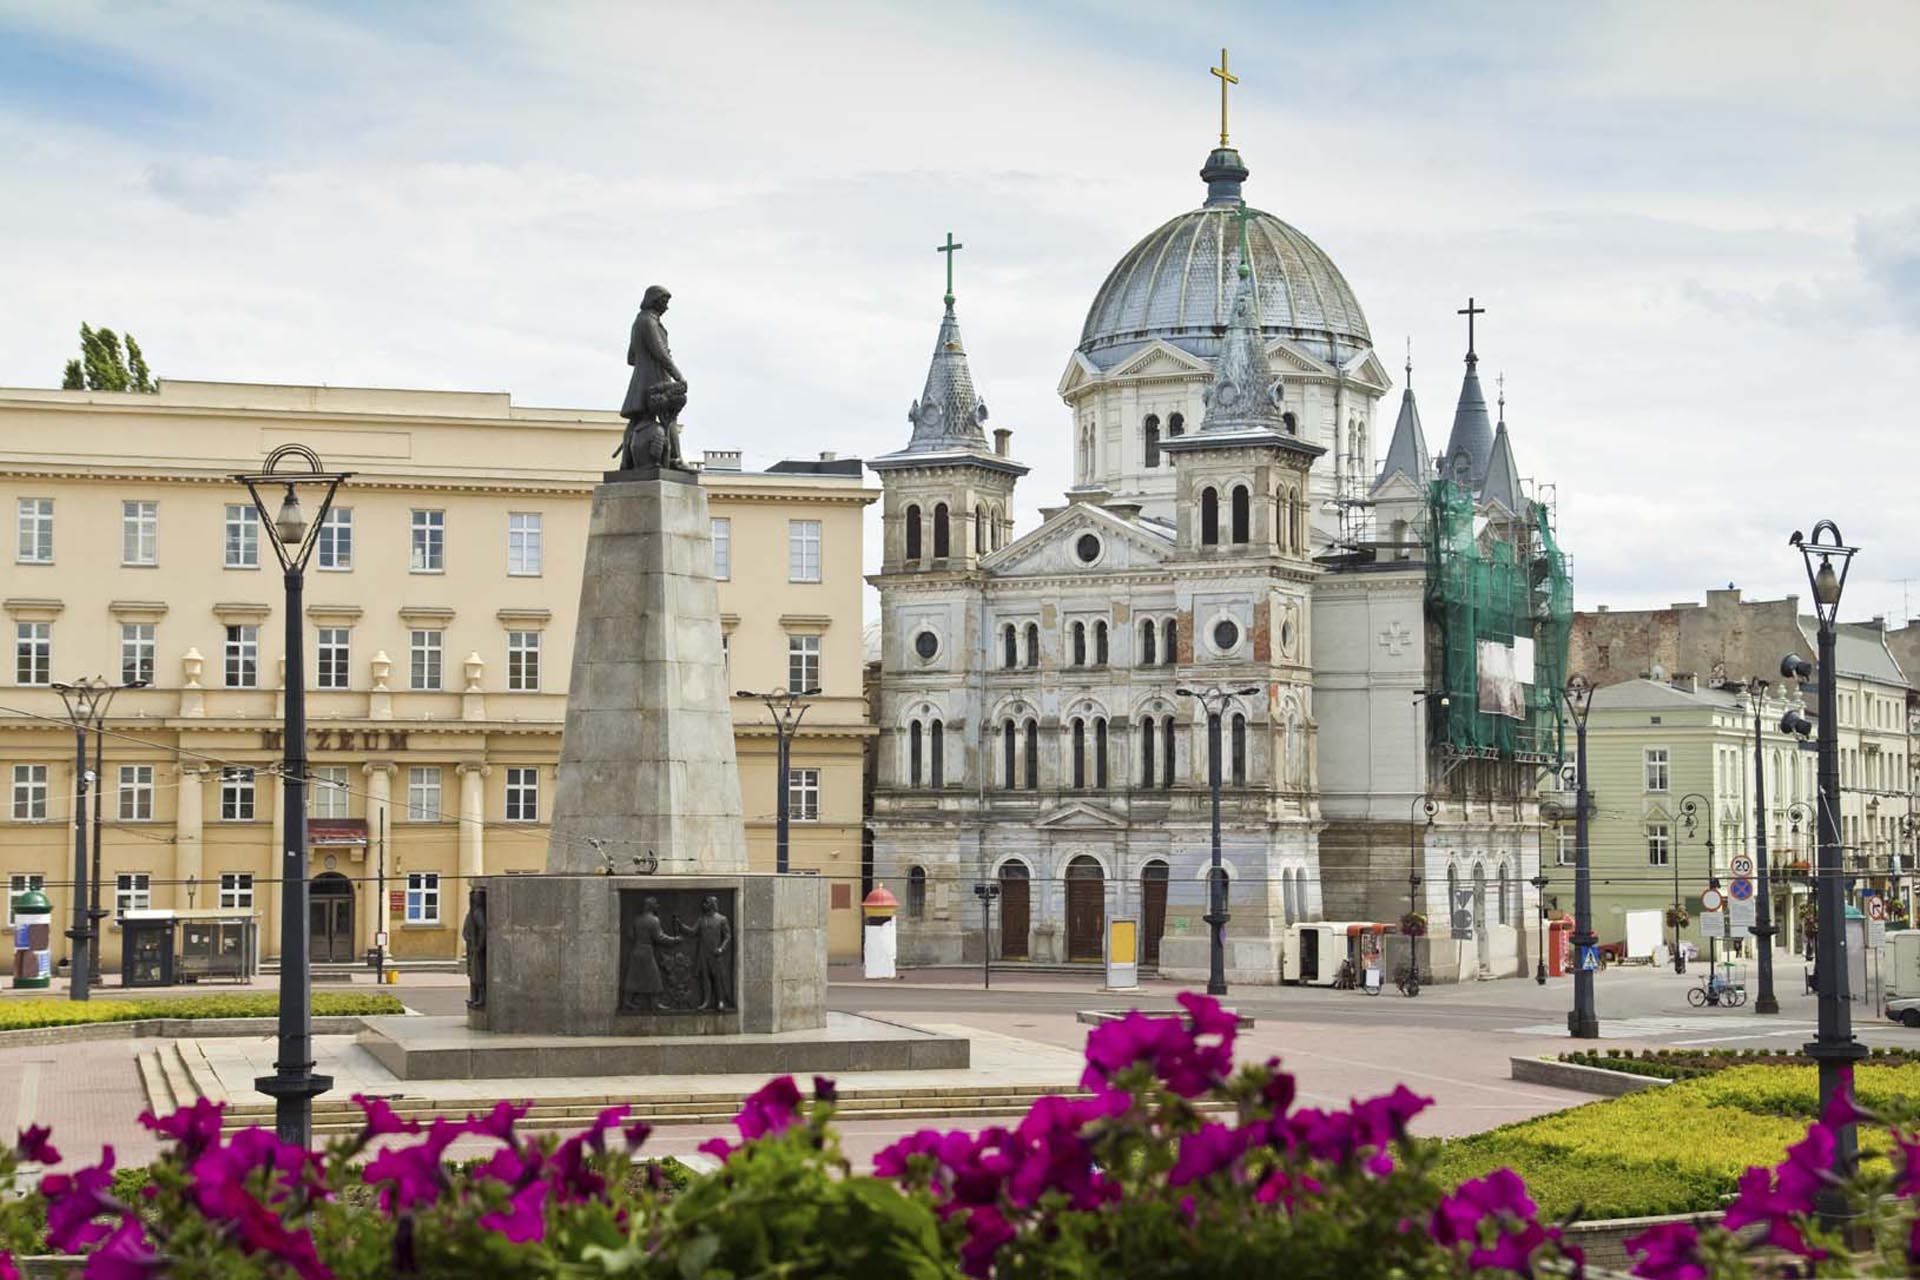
(655, 393)
(645, 984)
(712, 936)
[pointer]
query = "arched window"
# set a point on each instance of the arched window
(1147, 629)
(998, 522)
(1299, 535)
(1033, 644)
(1166, 752)
(1280, 518)
(980, 530)
(1146, 751)
(940, 540)
(1170, 651)
(1009, 736)
(1100, 644)
(937, 752)
(1242, 512)
(1239, 750)
(1176, 425)
(1033, 755)
(1151, 431)
(913, 754)
(913, 531)
(1100, 753)
(1209, 517)
(1009, 647)
(917, 893)
(1079, 754)
(1079, 636)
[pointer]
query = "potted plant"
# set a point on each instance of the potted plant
(1677, 918)
(1413, 924)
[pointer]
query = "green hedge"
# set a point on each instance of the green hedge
(18, 1014)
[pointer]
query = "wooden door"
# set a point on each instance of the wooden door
(1016, 906)
(1153, 910)
(1086, 909)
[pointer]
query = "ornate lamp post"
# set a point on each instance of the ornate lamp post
(787, 711)
(1834, 1049)
(1762, 928)
(81, 698)
(1583, 1023)
(1690, 806)
(1214, 702)
(293, 533)
(96, 913)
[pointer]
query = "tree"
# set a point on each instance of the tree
(102, 366)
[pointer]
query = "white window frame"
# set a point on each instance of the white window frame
(236, 891)
(426, 659)
(327, 791)
(333, 657)
(427, 540)
(803, 551)
(242, 542)
(525, 553)
(237, 795)
(333, 549)
(1660, 842)
(803, 652)
(803, 795)
(523, 661)
(35, 526)
(21, 882)
(240, 657)
(425, 792)
(132, 891)
(1656, 767)
(139, 532)
(1566, 846)
(137, 645)
(135, 793)
(33, 653)
(523, 793)
(30, 792)
(721, 530)
(423, 897)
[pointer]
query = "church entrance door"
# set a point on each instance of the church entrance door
(330, 918)
(1153, 910)
(1016, 901)
(1086, 908)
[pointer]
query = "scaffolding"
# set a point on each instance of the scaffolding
(1494, 580)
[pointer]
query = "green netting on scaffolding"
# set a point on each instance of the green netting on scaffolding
(1490, 583)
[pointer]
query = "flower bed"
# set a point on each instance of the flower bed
(1688, 1064)
(22, 1013)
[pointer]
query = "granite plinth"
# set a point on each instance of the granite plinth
(415, 1048)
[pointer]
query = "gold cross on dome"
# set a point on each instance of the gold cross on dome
(1226, 78)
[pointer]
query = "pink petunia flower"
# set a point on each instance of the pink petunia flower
(33, 1145)
(75, 1200)
(525, 1219)
(1669, 1251)
(195, 1126)
(126, 1255)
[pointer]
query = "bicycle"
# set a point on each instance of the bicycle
(1408, 978)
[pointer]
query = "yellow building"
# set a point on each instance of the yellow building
(440, 618)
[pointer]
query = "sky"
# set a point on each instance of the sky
(1695, 228)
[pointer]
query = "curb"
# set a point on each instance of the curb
(170, 1028)
(1582, 1079)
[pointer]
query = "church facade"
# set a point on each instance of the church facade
(1228, 547)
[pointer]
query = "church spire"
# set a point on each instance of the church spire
(949, 413)
(1470, 446)
(1407, 451)
(1243, 394)
(1502, 486)
(1224, 171)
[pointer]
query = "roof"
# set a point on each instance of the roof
(1502, 485)
(1656, 695)
(949, 412)
(817, 467)
(1859, 649)
(1472, 435)
(1407, 451)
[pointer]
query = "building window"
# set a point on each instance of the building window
(1009, 742)
(132, 891)
(942, 544)
(980, 529)
(236, 890)
(1078, 632)
(803, 551)
(33, 653)
(803, 795)
(1033, 644)
(1565, 847)
(423, 897)
(428, 547)
(1657, 768)
(22, 882)
(334, 548)
(29, 793)
(917, 893)
(913, 531)
(1033, 755)
(423, 793)
(914, 737)
(331, 654)
(136, 793)
(1209, 517)
(523, 661)
(1242, 513)
(139, 533)
(523, 544)
(243, 537)
(1146, 752)
(1009, 647)
(1502, 886)
(1147, 637)
(937, 753)
(424, 649)
(1100, 644)
(1659, 844)
(1151, 431)
(36, 531)
(803, 663)
(327, 791)
(1176, 425)
(243, 657)
(1079, 754)
(1170, 650)
(236, 795)
(523, 794)
(136, 653)
(721, 529)
(1100, 753)
(1166, 753)
(1239, 750)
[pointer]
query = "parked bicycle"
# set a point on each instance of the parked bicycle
(1718, 991)
(1408, 979)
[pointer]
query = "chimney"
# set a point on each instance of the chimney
(1001, 437)
(1686, 682)
(720, 459)
(828, 455)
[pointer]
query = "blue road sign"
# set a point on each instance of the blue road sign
(1741, 889)
(1589, 957)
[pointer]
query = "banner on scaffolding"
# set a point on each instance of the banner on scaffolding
(1505, 671)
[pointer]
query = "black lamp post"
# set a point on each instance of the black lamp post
(1540, 883)
(1583, 1023)
(1762, 928)
(1214, 702)
(96, 913)
(1690, 806)
(293, 533)
(787, 711)
(80, 698)
(1834, 1049)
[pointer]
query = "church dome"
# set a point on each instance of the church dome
(1177, 284)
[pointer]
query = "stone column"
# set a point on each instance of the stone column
(188, 820)
(473, 816)
(379, 775)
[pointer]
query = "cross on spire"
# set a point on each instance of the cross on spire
(1409, 359)
(1470, 311)
(1501, 382)
(949, 248)
(1226, 78)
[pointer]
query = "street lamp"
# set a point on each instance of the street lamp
(1583, 1023)
(96, 913)
(1214, 702)
(1540, 883)
(1834, 1049)
(1690, 806)
(787, 711)
(1762, 928)
(80, 698)
(293, 1084)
